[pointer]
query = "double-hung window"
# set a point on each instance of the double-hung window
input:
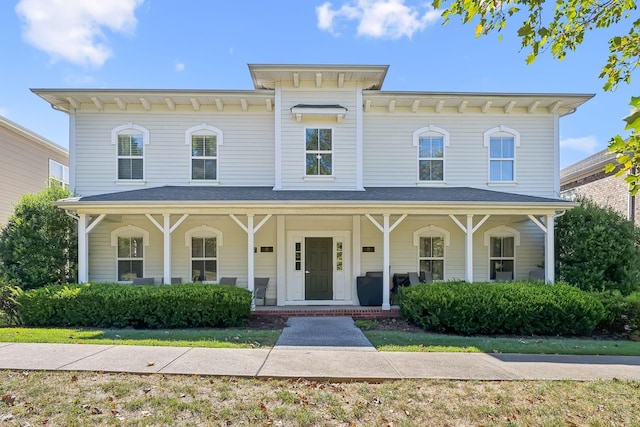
(130, 141)
(130, 258)
(204, 259)
(431, 256)
(204, 157)
(431, 158)
(502, 143)
(319, 152)
(58, 174)
(501, 158)
(501, 256)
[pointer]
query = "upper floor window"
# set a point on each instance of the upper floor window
(431, 142)
(319, 152)
(58, 174)
(204, 157)
(502, 143)
(130, 140)
(203, 141)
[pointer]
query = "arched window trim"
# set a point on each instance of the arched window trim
(203, 231)
(120, 129)
(204, 129)
(430, 129)
(129, 231)
(501, 129)
(502, 231)
(431, 231)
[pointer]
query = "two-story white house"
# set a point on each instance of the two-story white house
(311, 179)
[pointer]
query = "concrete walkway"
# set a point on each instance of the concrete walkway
(343, 353)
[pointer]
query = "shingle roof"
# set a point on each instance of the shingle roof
(371, 194)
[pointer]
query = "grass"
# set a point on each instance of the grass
(82, 398)
(424, 341)
(213, 338)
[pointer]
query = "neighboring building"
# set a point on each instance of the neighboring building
(312, 179)
(27, 164)
(588, 179)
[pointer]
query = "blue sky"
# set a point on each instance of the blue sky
(206, 44)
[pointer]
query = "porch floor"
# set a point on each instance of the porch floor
(356, 312)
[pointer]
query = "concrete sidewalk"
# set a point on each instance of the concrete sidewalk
(317, 363)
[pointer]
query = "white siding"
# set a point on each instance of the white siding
(344, 137)
(246, 158)
(390, 159)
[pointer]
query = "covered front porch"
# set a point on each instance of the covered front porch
(311, 246)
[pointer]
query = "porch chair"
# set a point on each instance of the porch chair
(260, 288)
(230, 281)
(143, 281)
(174, 280)
(504, 276)
(414, 279)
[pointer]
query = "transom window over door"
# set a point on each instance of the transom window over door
(432, 256)
(204, 157)
(501, 256)
(319, 152)
(431, 158)
(130, 258)
(204, 259)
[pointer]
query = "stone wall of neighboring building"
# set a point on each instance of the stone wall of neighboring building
(587, 179)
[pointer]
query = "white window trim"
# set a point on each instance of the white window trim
(145, 141)
(332, 152)
(431, 130)
(65, 173)
(204, 129)
(432, 231)
(130, 231)
(200, 232)
(501, 231)
(497, 132)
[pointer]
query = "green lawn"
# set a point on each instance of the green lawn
(424, 341)
(218, 338)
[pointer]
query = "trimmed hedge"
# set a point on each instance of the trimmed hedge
(118, 306)
(521, 308)
(622, 314)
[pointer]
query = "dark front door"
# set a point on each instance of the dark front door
(318, 283)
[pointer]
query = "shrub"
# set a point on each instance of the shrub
(597, 249)
(117, 305)
(8, 304)
(622, 314)
(38, 245)
(522, 308)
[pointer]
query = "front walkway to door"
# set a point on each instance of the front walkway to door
(355, 312)
(334, 333)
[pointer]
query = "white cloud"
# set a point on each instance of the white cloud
(586, 144)
(180, 66)
(386, 19)
(72, 30)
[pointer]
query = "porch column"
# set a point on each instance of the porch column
(385, 262)
(166, 229)
(469, 229)
(281, 254)
(250, 259)
(549, 250)
(167, 248)
(83, 253)
(468, 250)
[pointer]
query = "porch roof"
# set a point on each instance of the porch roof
(215, 195)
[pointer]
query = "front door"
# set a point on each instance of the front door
(318, 283)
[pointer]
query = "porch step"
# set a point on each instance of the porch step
(327, 311)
